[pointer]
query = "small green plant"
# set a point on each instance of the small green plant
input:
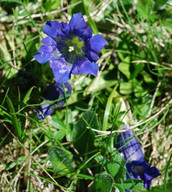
(66, 93)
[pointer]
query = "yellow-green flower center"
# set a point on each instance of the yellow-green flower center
(75, 46)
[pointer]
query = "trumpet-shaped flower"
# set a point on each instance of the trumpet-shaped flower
(70, 48)
(136, 164)
(54, 92)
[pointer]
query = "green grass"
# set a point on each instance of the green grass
(74, 149)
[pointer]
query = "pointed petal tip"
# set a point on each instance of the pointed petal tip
(97, 43)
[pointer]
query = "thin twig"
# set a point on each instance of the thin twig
(28, 156)
(153, 63)
(153, 99)
(134, 126)
(6, 18)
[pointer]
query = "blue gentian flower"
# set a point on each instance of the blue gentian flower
(54, 92)
(70, 48)
(136, 164)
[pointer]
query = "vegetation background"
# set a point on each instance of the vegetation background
(75, 148)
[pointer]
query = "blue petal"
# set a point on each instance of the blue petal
(130, 146)
(92, 55)
(142, 170)
(44, 54)
(65, 28)
(77, 22)
(44, 110)
(85, 67)
(53, 29)
(136, 164)
(97, 43)
(48, 49)
(48, 41)
(68, 88)
(54, 92)
(150, 174)
(61, 70)
(87, 33)
(42, 57)
(79, 26)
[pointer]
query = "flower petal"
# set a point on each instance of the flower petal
(136, 164)
(97, 43)
(48, 49)
(53, 29)
(48, 41)
(77, 22)
(129, 146)
(65, 28)
(54, 92)
(150, 174)
(42, 57)
(85, 67)
(92, 55)
(79, 26)
(61, 70)
(87, 33)
(44, 54)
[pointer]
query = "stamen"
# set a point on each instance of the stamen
(71, 48)
(75, 40)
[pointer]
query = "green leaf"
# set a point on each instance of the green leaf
(103, 183)
(61, 159)
(139, 91)
(90, 20)
(12, 1)
(131, 184)
(101, 82)
(3, 112)
(147, 77)
(108, 107)
(16, 122)
(144, 8)
(51, 5)
(138, 67)
(78, 7)
(57, 123)
(59, 134)
(26, 98)
(83, 137)
(15, 163)
(124, 67)
(159, 4)
(126, 88)
(114, 166)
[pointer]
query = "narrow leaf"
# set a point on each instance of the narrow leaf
(26, 98)
(14, 119)
(108, 107)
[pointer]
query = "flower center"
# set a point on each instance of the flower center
(71, 49)
(75, 46)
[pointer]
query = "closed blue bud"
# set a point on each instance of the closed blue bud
(70, 48)
(54, 92)
(136, 164)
